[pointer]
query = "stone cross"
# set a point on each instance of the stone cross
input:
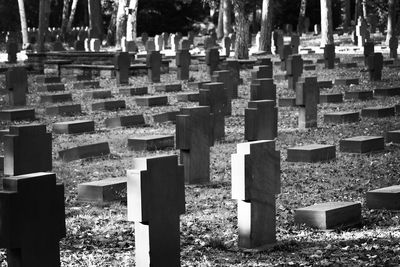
(22, 155)
(212, 60)
(225, 77)
(369, 49)
(284, 52)
(375, 65)
(153, 63)
(214, 96)
(263, 89)
(122, 62)
(294, 67)
(183, 63)
(234, 67)
(194, 136)
(255, 182)
(156, 199)
(12, 50)
(307, 98)
(17, 85)
(329, 56)
(158, 41)
(393, 45)
(261, 120)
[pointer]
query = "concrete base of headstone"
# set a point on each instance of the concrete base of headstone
(287, 102)
(21, 114)
(133, 91)
(98, 94)
(188, 97)
(48, 79)
(51, 87)
(387, 198)
(84, 152)
(103, 191)
(168, 87)
(56, 98)
(151, 101)
(378, 112)
(85, 84)
(152, 142)
(125, 121)
(109, 105)
(311, 153)
(393, 137)
(330, 98)
(73, 127)
(165, 117)
(346, 81)
(362, 144)
(359, 95)
(383, 92)
(64, 110)
(329, 215)
(324, 84)
(341, 117)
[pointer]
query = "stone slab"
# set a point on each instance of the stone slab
(346, 81)
(287, 102)
(103, 191)
(73, 127)
(98, 94)
(341, 117)
(362, 144)
(85, 84)
(383, 92)
(331, 98)
(125, 121)
(133, 91)
(109, 105)
(84, 152)
(324, 84)
(387, 198)
(359, 95)
(310, 67)
(56, 98)
(311, 153)
(188, 97)
(64, 110)
(165, 117)
(48, 79)
(378, 112)
(151, 142)
(151, 101)
(21, 114)
(168, 87)
(393, 136)
(51, 87)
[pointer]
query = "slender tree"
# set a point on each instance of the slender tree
(302, 16)
(24, 29)
(364, 9)
(227, 10)
(391, 20)
(44, 14)
(95, 19)
(64, 19)
(243, 9)
(121, 22)
(131, 31)
(326, 22)
(266, 26)
(72, 15)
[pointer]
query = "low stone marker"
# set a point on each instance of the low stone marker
(324, 84)
(194, 136)
(346, 81)
(153, 63)
(133, 91)
(387, 198)
(73, 127)
(341, 117)
(156, 199)
(310, 67)
(176, 87)
(255, 182)
(47, 79)
(165, 117)
(375, 65)
(122, 62)
(103, 191)
(98, 94)
(21, 155)
(378, 112)
(151, 101)
(294, 67)
(393, 136)
(183, 63)
(85, 84)
(311, 153)
(84, 152)
(331, 98)
(263, 89)
(261, 120)
(64, 110)
(393, 45)
(188, 97)
(33, 219)
(307, 98)
(109, 105)
(151, 142)
(17, 85)
(358, 95)
(17, 114)
(389, 91)
(212, 60)
(125, 121)
(329, 215)
(51, 87)
(287, 102)
(362, 144)
(329, 56)
(56, 98)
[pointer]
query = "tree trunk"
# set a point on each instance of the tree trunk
(121, 22)
(112, 27)
(95, 19)
(356, 10)
(346, 17)
(24, 29)
(242, 30)
(266, 26)
(302, 16)
(364, 8)
(227, 21)
(64, 19)
(44, 13)
(326, 23)
(72, 15)
(220, 26)
(131, 25)
(391, 20)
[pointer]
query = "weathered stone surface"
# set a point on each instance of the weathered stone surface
(84, 152)
(151, 101)
(85, 84)
(56, 98)
(98, 94)
(341, 117)
(168, 87)
(151, 142)
(48, 79)
(362, 144)
(287, 102)
(103, 191)
(125, 121)
(261, 120)
(188, 97)
(165, 116)
(51, 87)
(73, 127)
(64, 110)
(311, 153)
(346, 81)
(390, 91)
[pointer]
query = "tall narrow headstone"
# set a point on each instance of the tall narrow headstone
(393, 45)
(144, 37)
(95, 45)
(307, 98)
(261, 120)
(369, 49)
(17, 85)
(294, 67)
(329, 56)
(165, 37)
(295, 43)
(224, 76)
(153, 63)
(234, 67)
(226, 45)
(183, 63)
(212, 60)
(158, 41)
(122, 63)
(284, 52)
(263, 89)
(361, 31)
(12, 50)
(375, 65)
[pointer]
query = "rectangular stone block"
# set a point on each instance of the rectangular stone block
(341, 117)
(125, 121)
(188, 97)
(48, 79)
(287, 102)
(103, 191)
(311, 153)
(3, 133)
(362, 144)
(331, 98)
(359, 95)
(168, 87)
(20, 114)
(84, 152)
(98, 94)
(348, 65)
(151, 101)
(1, 164)
(383, 92)
(324, 84)
(85, 84)
(310, 67)
(329, 215)
(56, 98)
(387, 198)
(73, 127)
(378, 112)
(346, 81)
(64, 110)
(166, 116)
(51, 87)
(391, 137)
(109, 105)
(151, 142)
(133, 91)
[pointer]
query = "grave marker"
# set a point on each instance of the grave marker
(261, 120)
(158, 41)
(64, 110)
(263, 89)
(329, 56)
(307, 97)
(183, 63)
(212, 60)
(226, 44)
(393, 45)
(103, 191)
(125, 121)
(362, 144)
(122, 63)
(73, 127)
(224, 76)
(294, 67)
(295, 42)
(12, 50)
(153, 63)
(375, 65)
(151, 142)
(387, 198)
(311, 153)
(94, 45)
(284, 52)
(369, 48)
(84, 152)
(17, 85)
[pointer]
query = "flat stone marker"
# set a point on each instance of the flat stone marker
(307, 98)
(125, 121)
(188, 97)
(346, 81)
(103, 191)
(329, 215)
(47, 79)
(85, 84)
(56, 98)
(98, 94)
(348, 65)
(359, 95)
(153, 63)
(168, 87)
(263, 89)
(109, 105)
(151, 101)
(156, 199)
(310, 67)
(393, 136)
(133, 91)
(311, 153)
(387, 198)
(378, 112)
(212, 60)
(20, 114)
(362, 144)
(341, 117)
(64, 110)
(255, 182)
(33, 219)
(21, 155)
(165, 117)
(390, 91)
(324, 84)
(73, 127)
(194, 136)
(261, 120)
(51, 87)
(151, 142)
(84, 152)
(287, 102)
(122, 62)
(17, 85)
(331, 98)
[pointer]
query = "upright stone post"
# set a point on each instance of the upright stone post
(261, 72)
(375, 65)
(369, 49)
(212, 60)
(153, 63)
(122, 62)
(194, 136)
(294, 69)
(255, 182)
(361, 31)
(183, 63)
(158, 41)
(12, 50)
(284, 52)
(32, 219)
(307, 98)
(393, 45)
(329, 56)
(261, 120)
(156, 199)
(17, 85)
(295, 43)
(234, 67)
(263, 89)
(226, 44)
(224, 76)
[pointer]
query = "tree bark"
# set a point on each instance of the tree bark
(227, 13)
(121, 22)
(356, 10)
(364, 8)
(302, 16)
(220, 26)
(72, 15)
(24, 29)
(131, 31)
(242, 30)
(64, 19)
(95, 19)
(326, 23)
(44, 13)
(346, 17)
(266, 26)
(391, 20)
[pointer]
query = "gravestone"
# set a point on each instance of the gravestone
(226, 45)
(184, 44)
(153, 64)
(377, 112)
(17, 114)
(224, 76)
(165, 37)
(307, 98)
(128, 46)
(84, 152)
(369, 48)
(393, 45)
(87, 44)
(110, 105)
(12, 50)
(151, 142)
(306, 24)
(311, 153)
(294, 68)
(263, 89)
(17, 85)
(329, 56)
(22, 155)
(341, 117)
(191, 36)
(73, 127)
(79, 45)
(183, 63)
(151, 101)
(158, 41)
(284, 52)
(387, 198)
(156, 199)
(165, 117)
(234, 67)
(295, 43)
(212, 60)
(358, 95)
(194, 136)
(144, 37)
(94, 45)
(361, 31)
(362, 144)
(58, 46)
(122, 63)
(255, 182)
(64, 110)
(317, 29)
(130, 91)
(373, 21)
(261, 120)
(258, 41)
(278, 42)
(375, 65)
(125, 121)
(391, 137)
(261, 72)
(32, 219)
(103, 191)
(174, 42)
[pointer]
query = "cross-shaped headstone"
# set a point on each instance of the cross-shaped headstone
(393, 45)
(294, 67)
(183, 63)
(263, 89)
(17, 85)
(225, 77)
(212, 60)
(122, 62)
(153, 63)
(375, 65)
(307, 98)
(329, 56)
(261, 120)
